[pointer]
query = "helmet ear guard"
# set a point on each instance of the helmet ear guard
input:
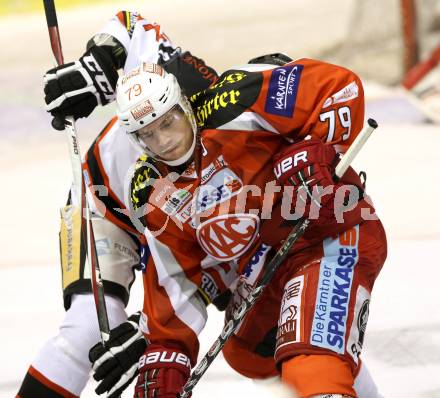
(143, 95)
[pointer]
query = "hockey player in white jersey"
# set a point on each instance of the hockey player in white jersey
(61, 367)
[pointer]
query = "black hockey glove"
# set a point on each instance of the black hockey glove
(115, 365)
(76, 88)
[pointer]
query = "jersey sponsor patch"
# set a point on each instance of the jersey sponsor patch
(223, 185)
(186, 213)
(289, 322)
(209, 286)
(359, 325)
(213, 167)
(333, 291)
(283, 89)
(202, 69)
(234, 92)
(144, 256)
(228, 236)
(349, 92)
(176, 201)
(103, 247)
(255, 264)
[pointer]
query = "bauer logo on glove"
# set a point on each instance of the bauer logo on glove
(163, 357)
(306, 170)
(163, 371)
(292, 161)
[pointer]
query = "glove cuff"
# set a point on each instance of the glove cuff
(157, 357)
(301, 155)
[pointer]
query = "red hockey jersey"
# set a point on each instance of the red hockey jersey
(210, 213)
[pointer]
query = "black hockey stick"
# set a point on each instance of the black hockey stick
(270, 269)
(78, 186)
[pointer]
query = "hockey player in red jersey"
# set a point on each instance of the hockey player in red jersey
(237, 166)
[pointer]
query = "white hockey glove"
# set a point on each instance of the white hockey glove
(115, 365)
(76, 88)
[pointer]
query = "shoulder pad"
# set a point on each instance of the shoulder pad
(234, 93)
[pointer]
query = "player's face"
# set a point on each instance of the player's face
(168, 137)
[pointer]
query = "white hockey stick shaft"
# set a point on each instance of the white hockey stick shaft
(78, 187)
(355, 147)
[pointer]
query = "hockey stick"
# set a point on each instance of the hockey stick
(270, 269)
(78, 186)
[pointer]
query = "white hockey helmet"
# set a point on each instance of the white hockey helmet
(145, 94)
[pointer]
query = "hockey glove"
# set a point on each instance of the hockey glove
(76, 88)
(306, 168)
(116, 364)
(163, 371)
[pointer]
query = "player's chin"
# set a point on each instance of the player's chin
(176, 152)
(172, 155)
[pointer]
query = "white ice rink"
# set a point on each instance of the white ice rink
(402, 159)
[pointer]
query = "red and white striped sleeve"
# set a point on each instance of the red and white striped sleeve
(173, 308)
